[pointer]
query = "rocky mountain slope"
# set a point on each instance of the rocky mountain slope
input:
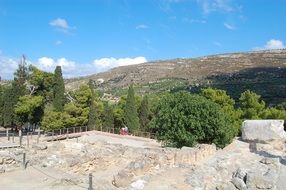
(254, 70)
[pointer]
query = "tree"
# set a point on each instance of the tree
(27, 107)
(10, 98)
(20, 77)
(251, 105)
(183, 119)
(58, 90)
(41, 83)
(83, 96)
(144, 113)
(226, 102)
(13, 92)
(118, 114)
(130, 111)
(273, 113)
(108, 119)
(281, 106)
(52, 119)
(218, 96)
(1, 104)
(92, 109)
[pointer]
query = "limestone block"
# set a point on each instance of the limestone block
(262, 130)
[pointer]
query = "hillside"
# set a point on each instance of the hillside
(262, 71)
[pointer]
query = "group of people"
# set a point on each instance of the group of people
(124, 131)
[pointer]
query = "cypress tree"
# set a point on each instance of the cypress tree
(9, 100)
(20, 77)
(92, 109)
(108, 119)
(144, 113)
(11, 94)
(58, 90)
(1, 105)
(130, 111)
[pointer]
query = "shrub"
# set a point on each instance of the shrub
(183, 119)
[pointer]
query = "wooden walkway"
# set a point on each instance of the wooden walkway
(62, 137)
(8, 145)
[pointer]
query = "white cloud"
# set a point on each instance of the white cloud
(58, 42)
(142, 26)
(46, 62)
(229, 26)
(73, 69)
(69, 68)
(190, 20)
(165, 5)
(7, 67)
(108, 63)
(60, 24)
(209, 6)
(272, 44)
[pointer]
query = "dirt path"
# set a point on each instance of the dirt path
(35, 178)
(127, 140)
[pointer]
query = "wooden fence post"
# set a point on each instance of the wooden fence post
(90, 181)
(24, 160)
(27, 136)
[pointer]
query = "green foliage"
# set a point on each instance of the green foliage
(183, 119)
(58, 90)
(1, 105)
(52, 119)
(118, 114)
(123, 100)
(95, 109)
(8, 107)
(251, 105)
(130, 111)
(273, 113)
(83, 96)
(268, 82)
(227, 103)
(43, 83)
(27, 106)
(155, 87)
(74, 115)
(281, 106)
(144, 114)
(92, 117)
(20, 77)
(218, 96)
(11, 94)
(119, 110)
(10, 98)
(108, 119)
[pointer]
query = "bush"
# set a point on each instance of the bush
(183, 119)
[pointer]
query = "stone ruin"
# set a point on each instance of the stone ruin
(262, 130)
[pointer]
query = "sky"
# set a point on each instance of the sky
(91, 36)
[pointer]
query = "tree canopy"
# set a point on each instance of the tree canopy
(130, 111)
(184, 120)
(58, 90)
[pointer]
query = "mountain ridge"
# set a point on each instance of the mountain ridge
(191, 69)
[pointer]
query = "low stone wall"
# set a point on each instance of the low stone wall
(167, 157)
(188, 155)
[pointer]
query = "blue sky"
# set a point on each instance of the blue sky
(89, 36)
